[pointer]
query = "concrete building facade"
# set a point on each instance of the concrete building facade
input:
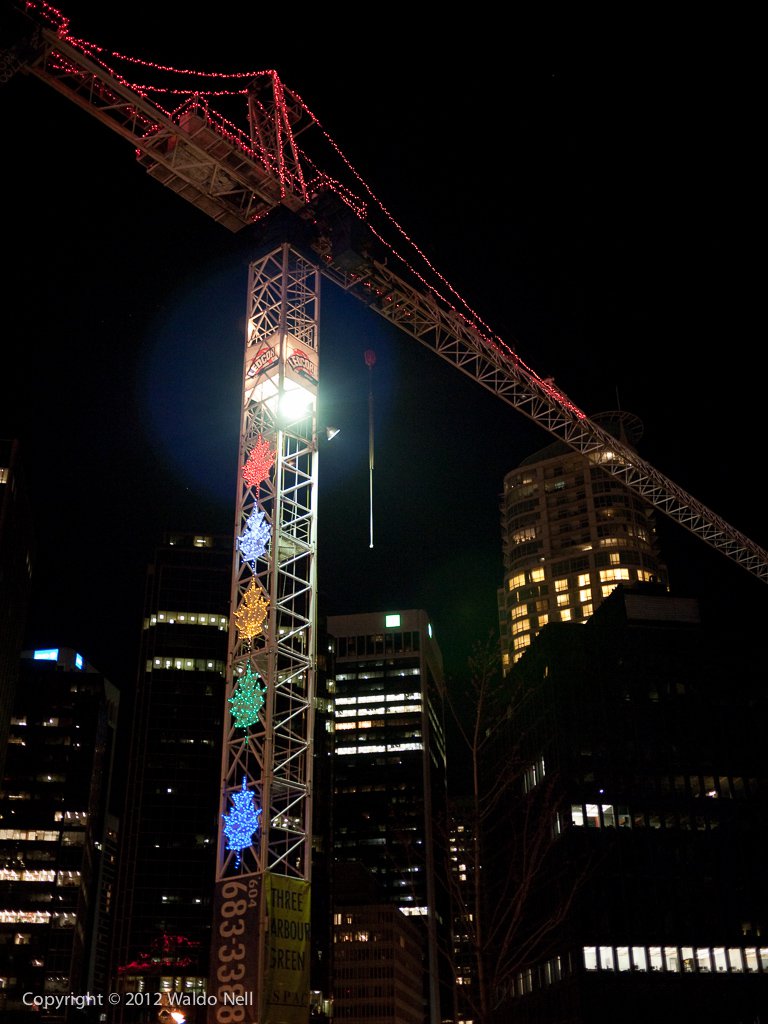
(570, 534)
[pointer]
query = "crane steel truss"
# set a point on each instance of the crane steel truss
(280, 366)
(272, 757)
(194, 151)
(458, 342)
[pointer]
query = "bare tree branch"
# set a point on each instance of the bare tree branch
(508, 821)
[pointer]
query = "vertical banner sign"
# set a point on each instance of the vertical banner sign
(286, 975)
(235, 950)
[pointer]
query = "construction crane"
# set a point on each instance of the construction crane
(324, 226)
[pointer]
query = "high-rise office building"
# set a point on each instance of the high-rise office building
(647, 727)
(57, 839)
(389, 802)
(465, 893)
(378, 965)
(570, 534)
(168, 848)
(16, 558)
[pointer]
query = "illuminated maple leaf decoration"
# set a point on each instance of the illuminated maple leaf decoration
(259, 462)
(250, 616)
(254, 539)
(242, 822)
(248, 699)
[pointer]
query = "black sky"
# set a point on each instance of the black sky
(596, 197)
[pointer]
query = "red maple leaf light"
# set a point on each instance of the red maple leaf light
(259, 462)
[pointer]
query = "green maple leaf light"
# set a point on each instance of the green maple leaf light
(242, 822)
(248, 699)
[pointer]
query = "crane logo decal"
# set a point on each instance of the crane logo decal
(265, 359)
(303, 366)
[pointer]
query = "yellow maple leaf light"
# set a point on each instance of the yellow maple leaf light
(250, 616)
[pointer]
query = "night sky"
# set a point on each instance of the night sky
(597, 202)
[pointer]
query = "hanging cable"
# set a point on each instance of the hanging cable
(370, 359)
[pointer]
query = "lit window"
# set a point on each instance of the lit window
(607, 575)
(537, 575)
(562, 600)
(517, 581)
(606, 957)
(614, 558)
(583, 580)
(607, 589)
(520, 642)
(718, 955)
(639, 958)
(565, 614)
(521, 626)
(26, 875)
(585, 595)
(735, 961)
(561, 585)
(543, 620)
(672, 959)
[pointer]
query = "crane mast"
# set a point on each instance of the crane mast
(264, 875)
(238, 179)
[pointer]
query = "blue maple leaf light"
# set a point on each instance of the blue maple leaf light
(242, 822)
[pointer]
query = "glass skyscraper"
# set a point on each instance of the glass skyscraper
(168, 849)
(57, 837)
(389, 803)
